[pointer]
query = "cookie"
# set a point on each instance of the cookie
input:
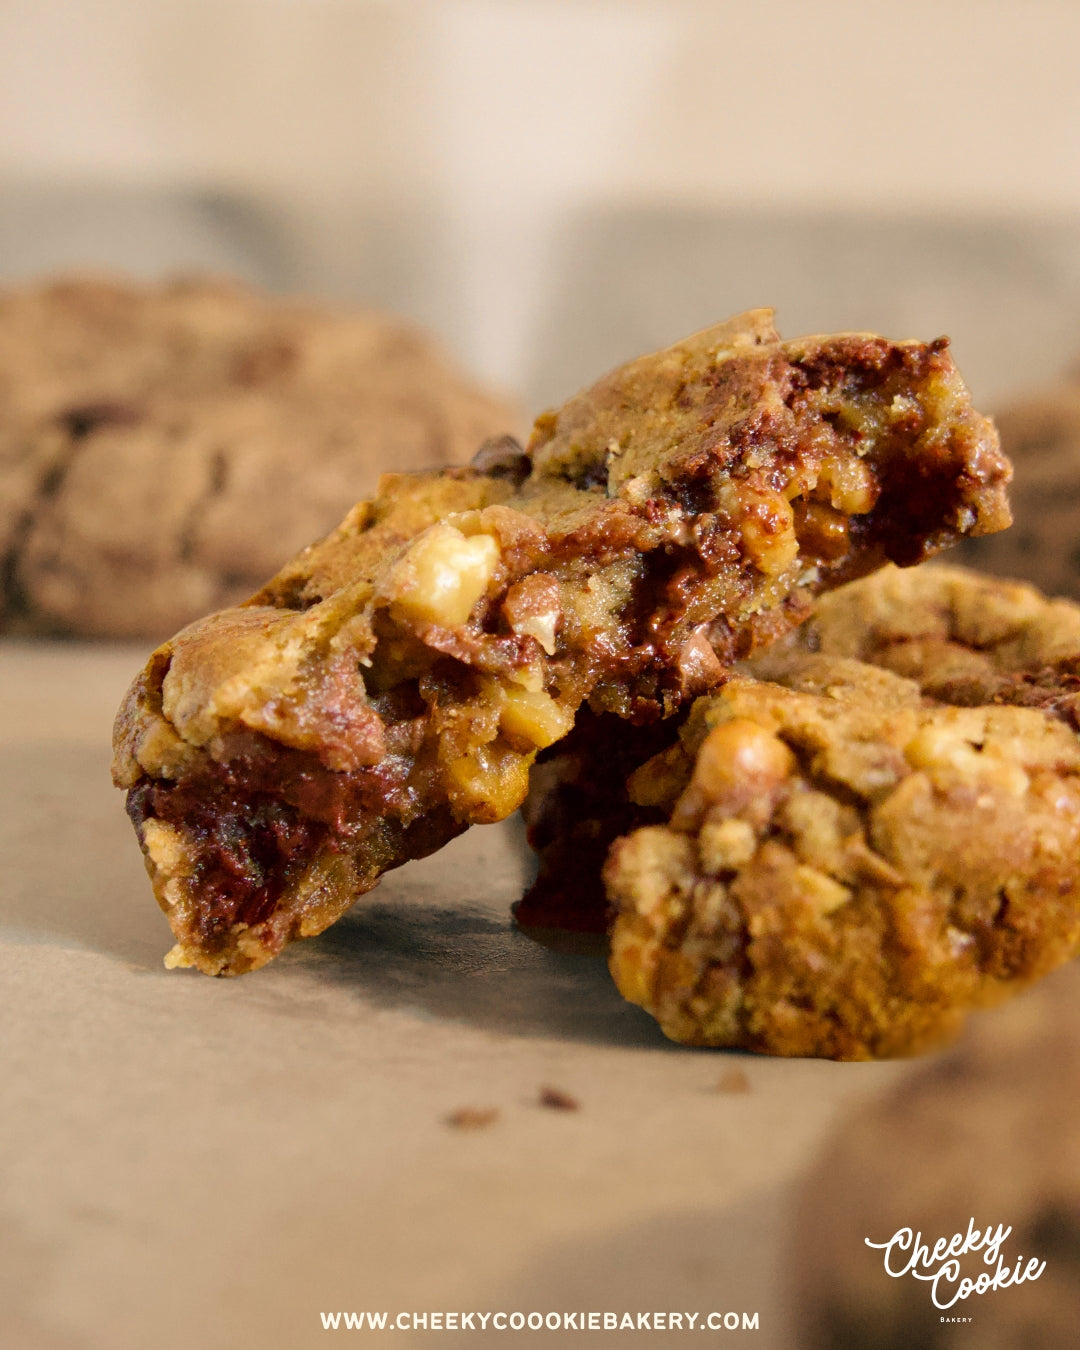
(393, 683)
(1041, 435)
(966, 638)
(962, 638)
(982, 1140)
(847, 868)
(164, 449)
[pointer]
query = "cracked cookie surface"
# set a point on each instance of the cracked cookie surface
(393, 684)
(966, 638)
(163, 449)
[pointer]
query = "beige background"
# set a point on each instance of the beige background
(444, 157)
(954, 103)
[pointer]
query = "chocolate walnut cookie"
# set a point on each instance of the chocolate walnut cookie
(847, 868)
(393, 684)
(163, 449)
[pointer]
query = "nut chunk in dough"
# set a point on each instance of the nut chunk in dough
(393, 684)
(848, 869)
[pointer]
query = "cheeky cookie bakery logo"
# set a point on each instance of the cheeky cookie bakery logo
(906, 1253)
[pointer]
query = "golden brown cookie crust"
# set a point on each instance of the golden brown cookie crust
(394, 682)
(164, 448)
(848, 868)
(965, 637)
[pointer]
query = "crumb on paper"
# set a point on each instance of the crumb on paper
(733, 1080)
(556, 1100)
(473, 1117)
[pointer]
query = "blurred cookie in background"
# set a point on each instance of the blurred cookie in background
(984, 1140)
(1041, 435)
(164, 448)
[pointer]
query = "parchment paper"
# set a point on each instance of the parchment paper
(196, 1162)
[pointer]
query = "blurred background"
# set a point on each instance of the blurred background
(552, 185)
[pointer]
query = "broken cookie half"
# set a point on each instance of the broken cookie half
(393, 684)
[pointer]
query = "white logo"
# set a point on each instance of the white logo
(940, 1265)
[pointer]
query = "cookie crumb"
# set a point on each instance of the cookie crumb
(733, 1080)
(473, 1117)
(556, 1100)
